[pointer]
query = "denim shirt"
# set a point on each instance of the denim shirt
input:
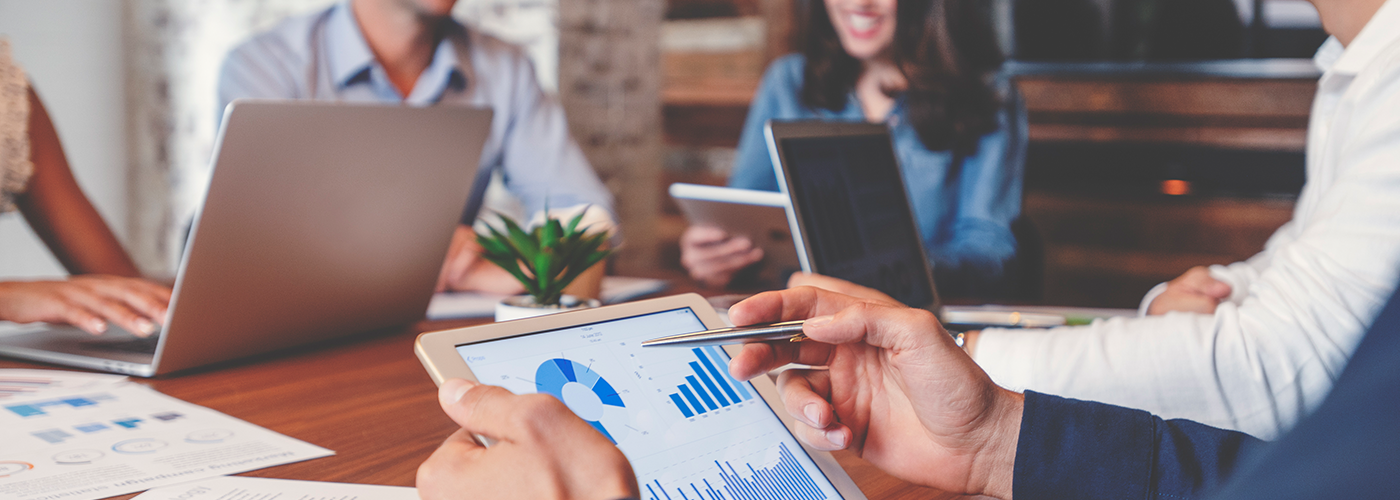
(964, 214)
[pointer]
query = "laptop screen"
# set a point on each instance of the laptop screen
(848, 193)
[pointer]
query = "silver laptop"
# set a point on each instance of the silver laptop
(321, 220)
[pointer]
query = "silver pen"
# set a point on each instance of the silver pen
(790, 331)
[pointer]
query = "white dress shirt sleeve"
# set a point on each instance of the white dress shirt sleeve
(1271, 353)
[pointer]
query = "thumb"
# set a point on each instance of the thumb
(1216, 288)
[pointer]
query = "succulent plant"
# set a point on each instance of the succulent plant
(548, 257)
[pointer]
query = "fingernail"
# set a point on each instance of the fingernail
(836, 437)
(145, 327)
(817, 321)
(813, 415)
(98, 325)
(453, 390)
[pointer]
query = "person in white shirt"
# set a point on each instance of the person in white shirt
(1255, 345)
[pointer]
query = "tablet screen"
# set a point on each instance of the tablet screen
(849, 194)
(689, 429)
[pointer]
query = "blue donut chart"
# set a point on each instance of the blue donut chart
(554, 374)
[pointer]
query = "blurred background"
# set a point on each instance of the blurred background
(1164, 133)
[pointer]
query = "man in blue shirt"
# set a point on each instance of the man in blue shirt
(413, 52)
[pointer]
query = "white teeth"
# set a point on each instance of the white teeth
(862, 23)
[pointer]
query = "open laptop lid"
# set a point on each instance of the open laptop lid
(849, 209)
(320, 220)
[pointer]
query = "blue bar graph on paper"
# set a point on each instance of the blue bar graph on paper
(785, 479)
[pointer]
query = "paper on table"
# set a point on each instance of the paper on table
(96, 441)
(258, 488)
(16, 382)
(616, 289)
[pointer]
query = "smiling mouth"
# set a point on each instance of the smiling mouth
(863, 25)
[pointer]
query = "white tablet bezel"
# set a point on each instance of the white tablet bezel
(734, 210)
(438, 352)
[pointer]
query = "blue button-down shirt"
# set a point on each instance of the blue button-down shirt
(964, 215)
(323, 56)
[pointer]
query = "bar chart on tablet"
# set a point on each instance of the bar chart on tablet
(690, 430)
(710, 383)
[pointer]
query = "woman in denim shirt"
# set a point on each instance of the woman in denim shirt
(928, 69)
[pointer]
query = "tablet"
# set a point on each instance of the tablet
(687, 427)
(848, 208)
(760, 216)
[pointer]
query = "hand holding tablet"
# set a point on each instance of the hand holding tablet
(683, 423)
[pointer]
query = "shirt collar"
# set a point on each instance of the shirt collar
(351, 61)
(1378, 34)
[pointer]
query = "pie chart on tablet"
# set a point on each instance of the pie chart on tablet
(586, 393)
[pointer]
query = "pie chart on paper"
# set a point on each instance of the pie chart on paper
(586, 393)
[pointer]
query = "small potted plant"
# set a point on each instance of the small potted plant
(545, 259)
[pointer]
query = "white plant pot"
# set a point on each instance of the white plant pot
(523, 306)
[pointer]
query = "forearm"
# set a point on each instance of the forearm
(1080, 449)
(60, 214)
(1237, 369)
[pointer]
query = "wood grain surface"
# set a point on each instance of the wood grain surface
(370, 400)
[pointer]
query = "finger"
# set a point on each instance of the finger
(1199, 280)
(497, 413)
(791, 304)
(1183, 302)
(156, 293)
(110, 309)
(731, 262)
(831, 438)
(806, 395)
(458, 452)
(65, 312)
(700, 235)
(899, 329)
(716, 255)
(760, 358)
(839, 286)
(143, 297)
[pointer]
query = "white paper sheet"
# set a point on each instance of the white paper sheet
(258, 488)
(616, 289)
(15, 383)
(84, 440)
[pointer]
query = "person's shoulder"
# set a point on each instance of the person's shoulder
(498, 57)
(786, 70)
(289, 41)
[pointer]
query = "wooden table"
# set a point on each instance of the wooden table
(370, 400)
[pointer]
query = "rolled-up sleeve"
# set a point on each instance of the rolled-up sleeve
(541, 162)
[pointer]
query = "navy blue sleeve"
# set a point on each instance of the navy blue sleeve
(1081, 449)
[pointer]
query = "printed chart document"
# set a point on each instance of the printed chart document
(258, 488)
(72, 436)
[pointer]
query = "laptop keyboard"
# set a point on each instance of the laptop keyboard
(132, 344)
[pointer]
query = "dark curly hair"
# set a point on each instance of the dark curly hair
(947, 51)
